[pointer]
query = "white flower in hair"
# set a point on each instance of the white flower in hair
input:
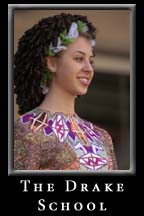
(64, 39)
(58, 48)
(93, 42)
(85, 28)
(44, 89)
(73, 31)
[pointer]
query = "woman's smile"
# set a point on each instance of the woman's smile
(85, 81)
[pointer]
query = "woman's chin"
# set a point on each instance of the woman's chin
(80, 93)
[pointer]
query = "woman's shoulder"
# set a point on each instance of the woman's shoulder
(22, 123)
(97, 129)
(102, 137)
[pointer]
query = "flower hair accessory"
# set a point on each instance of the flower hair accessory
(66, 38)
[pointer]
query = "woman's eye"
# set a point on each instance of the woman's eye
(79, 59)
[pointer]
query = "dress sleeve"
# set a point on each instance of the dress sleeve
(112, 163)
(26, 156)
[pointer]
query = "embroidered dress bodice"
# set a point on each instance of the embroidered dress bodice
(61, 142)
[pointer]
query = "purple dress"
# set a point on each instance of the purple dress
(61, 142)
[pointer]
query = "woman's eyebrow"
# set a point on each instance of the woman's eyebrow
(82, 52)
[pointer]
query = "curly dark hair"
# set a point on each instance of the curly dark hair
(29, 59)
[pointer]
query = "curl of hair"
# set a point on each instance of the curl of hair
(29, 59)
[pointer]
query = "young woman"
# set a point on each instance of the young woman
(53, 65)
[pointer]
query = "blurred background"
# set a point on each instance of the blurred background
(107, 103)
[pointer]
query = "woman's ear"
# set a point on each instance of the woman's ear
(51, 64)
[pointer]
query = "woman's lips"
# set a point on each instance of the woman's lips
(84, 81)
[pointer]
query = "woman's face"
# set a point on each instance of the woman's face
(73, 69)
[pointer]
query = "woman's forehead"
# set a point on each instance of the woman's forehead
(81, 45)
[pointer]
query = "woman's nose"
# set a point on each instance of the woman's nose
(88, 66)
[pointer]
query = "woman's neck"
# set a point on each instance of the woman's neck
(58, 101)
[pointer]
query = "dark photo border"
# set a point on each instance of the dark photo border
(11, 9)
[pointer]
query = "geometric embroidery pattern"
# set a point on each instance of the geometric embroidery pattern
(93, 161)
(60, 128)
(26, 118)
(79, 134)
(39, 121)
(78, 131)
